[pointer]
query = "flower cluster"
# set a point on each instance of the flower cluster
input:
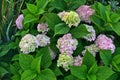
(42, 28)
(105, 43)
(93, 49)
(43, 40)
(77, 61)
(71, 18)
(66, 44)
(65, 61)
(91, 36)
(19, 21)
(84, 13)
(28, 44)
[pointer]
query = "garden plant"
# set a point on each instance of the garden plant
(59, 40)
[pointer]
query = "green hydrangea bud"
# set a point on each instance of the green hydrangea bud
(65, 61)
(71, 18)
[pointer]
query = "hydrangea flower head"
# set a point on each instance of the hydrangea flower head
(28, 44)
(91, 36)
(43, 40)
(71, 18)
(93, 49)
(105, 43)
(19, 21)
(77, 61)
(85, 12)
(42, 28)
(65, 61)
(66, 44)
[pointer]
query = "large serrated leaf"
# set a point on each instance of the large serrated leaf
(25, 61)
(61, 28)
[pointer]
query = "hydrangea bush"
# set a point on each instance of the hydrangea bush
(66, 40)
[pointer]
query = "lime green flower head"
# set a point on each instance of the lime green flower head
(65, 61)
(71, 18)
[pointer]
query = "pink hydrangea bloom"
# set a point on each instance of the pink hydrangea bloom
(19, 21)
(84, 13)
(42, 27)
(77, 61)
(105, 43)
(61, 14)
(43, 40)
(66, 44)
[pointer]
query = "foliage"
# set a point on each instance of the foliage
(42, 64)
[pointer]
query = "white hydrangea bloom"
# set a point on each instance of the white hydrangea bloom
(93, 49)
(28, 44)
(91, 36)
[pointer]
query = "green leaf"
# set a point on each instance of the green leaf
(79, 71)
(88, 59)
(61, 6)
(61, 28)
(35, 65)
(41, 11)
(29, 18)
(52, 20)
(108, 16)
(106, 56)
(116, 59)
(93, 69)
(115, 17)
(73, 4)
(79, 31)
(41, 4)
(32, 8)
(46, 74)
(16, 77)
(70, 77)
(15, 57)
(103, 73)
(13, 69)
(91, 77)
(25, 61)
(3, 71)
(46, 60)
(28, 75)
(56, 70)
(116, 27)
(113, 77)
(98, 21)
(4, 49)
(25, 12)
(21, 32)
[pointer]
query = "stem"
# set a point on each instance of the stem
(7, 32)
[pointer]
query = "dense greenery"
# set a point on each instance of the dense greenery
(38, 65)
